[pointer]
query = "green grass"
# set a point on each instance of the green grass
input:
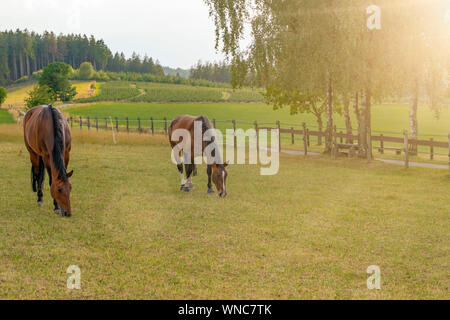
(161, 92)
(310, 231)
(385, 118)
(6, 117)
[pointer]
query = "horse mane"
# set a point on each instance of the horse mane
(206, 124)
(58, 146)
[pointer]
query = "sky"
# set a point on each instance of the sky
(176, 32)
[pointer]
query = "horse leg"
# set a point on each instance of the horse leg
(40, 180)
(55, 204)
(188, 169)
(189, 175)
(180, 170)
(209, 172)
(192, 172)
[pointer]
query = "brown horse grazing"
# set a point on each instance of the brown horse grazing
(47, 138)
(215, 170)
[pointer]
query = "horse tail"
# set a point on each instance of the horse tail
(58, 146)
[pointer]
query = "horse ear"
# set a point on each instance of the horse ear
(70, 174)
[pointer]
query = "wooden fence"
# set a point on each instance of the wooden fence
(341, 140)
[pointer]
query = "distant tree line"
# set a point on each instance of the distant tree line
(24, 52)
(217, 72)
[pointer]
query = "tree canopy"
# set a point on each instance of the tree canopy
(86, 71)
(56, 77)
(335, 49)
(3, 95)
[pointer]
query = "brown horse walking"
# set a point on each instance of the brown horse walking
(47, 138)
(216, 171)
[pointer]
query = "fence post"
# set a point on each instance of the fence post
(214, 123)
(334, 142)
(96, 123)
(279, 135)
(152, 126)
(381, 144)
(431, 149)
(405, 138)
(257, 138)
(71, 122)
(165, 125)
(449, 151)
(341, 136)
(234, 133)
(292, 135)
(128, 124)
(117, 124)
(319, 137)
(139, 124)
(89, 123)
(81, 123)
(305, 139)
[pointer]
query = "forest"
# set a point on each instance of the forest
(23, 52)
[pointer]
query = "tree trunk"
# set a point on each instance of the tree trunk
(348, 122)
(413, 116)
(21, 66)
(358, 118)
(329, 112)
(14, 64)
(367, 123)
(28, 65)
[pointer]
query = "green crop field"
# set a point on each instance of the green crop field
(157, 92)
(5, 116)
(310, 231)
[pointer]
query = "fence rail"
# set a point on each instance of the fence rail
(341, 140)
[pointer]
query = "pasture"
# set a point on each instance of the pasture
(386, 118)
(310, 231)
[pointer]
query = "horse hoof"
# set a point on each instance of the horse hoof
(58, 211)
(190, 186)
(210, 191)
(186, 189)
(40, 203)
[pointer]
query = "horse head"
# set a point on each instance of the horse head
(60, 191)
(219, 178)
